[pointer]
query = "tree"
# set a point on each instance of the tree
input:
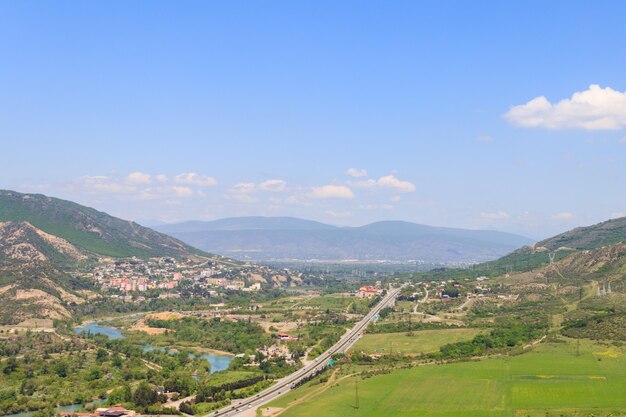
(117, 360)
(102, 355)
(186, 407)
(145, 395)
(121, 395)
(61, 369)
(10, 366)
(203, 394)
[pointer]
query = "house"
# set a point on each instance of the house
(368, 291)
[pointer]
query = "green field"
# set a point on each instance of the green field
(549, 381)
(423, 341)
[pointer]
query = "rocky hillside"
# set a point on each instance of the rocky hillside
(537, 255)
(589, 237)
(89, 229)
(34, 281)
(591, 283)
(45, 242)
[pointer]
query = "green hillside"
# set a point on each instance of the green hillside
(87, 228)
(589, 237)
(533, 257)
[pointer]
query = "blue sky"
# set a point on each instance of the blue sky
(169, 111)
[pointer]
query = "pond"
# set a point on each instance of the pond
(218, 362)
(72, 407)
(96, 328)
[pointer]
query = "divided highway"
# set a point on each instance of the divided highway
(284, 385)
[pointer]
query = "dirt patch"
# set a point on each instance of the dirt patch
(26, 294)
(257, 278)
(270, 411)
(148, 330)
(141, 326)
(6, 288)
(165, 315)
(282, 326)
(36, 324)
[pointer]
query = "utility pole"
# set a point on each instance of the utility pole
(357, 404)
(410, 333)
(578, 346)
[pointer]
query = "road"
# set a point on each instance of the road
(284, 385)
(423, 300)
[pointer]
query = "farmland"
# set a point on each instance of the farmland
(423, 341)
(551, 380)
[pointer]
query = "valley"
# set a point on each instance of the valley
(203, 334)
(312, 208)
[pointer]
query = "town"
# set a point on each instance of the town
(126, 278)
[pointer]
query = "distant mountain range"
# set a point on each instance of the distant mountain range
(288, 238)
(45, 241)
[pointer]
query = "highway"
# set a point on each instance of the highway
(284, 385)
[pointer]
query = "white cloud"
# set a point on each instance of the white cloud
(392, 182)
(134, 186)
(273, 185)
(191, 178)
(243, 188)
(593, 109)
(564, 215)
(356, 173)
(104, 184)
(494, 215)
(388, 181)
(622, 141)
(138, 178)
(331, 191)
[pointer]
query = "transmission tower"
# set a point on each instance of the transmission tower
(551, 255)
(357, 404)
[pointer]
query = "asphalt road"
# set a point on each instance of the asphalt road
(283, 385)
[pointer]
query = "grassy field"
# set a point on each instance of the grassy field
(549, 381)
(332, 301)
(423, 341)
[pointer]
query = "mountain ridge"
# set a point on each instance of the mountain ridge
(529, 258)
(95, 231)
(46, 245)
(263, 238)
